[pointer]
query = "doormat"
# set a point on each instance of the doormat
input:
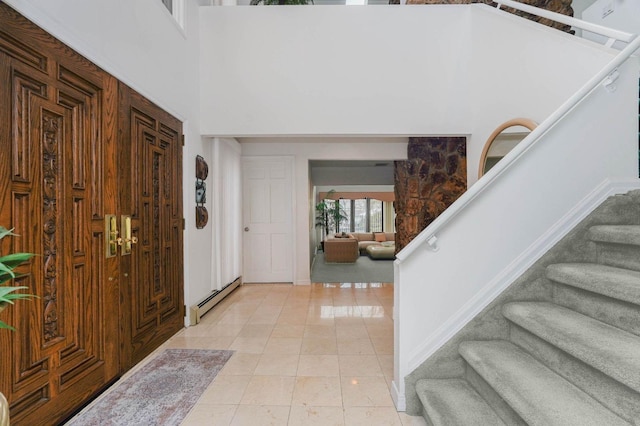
(161, 393)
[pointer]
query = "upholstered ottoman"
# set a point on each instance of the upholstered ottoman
(387, 251)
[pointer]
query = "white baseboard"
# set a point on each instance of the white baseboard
(398, 398)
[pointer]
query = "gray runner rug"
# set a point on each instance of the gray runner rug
(161, 393)
(365, 270)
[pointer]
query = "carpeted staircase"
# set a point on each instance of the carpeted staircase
(560, 347)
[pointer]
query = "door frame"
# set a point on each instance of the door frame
(291, 160)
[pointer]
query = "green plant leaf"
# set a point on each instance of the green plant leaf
(7, 294)
(5, 270)
(14, 259)
(7, 326)
(7, 264)
(4, 232)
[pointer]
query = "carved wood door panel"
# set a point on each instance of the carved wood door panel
(55, 150)
(151, 176)
(68, 159)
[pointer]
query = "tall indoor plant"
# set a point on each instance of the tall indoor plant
(8, 294)
(329, 214)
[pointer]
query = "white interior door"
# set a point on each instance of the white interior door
(268, 219)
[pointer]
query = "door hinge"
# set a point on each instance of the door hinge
(184, 224)
(182, 140)
(185, 309)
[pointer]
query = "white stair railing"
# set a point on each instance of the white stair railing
(610, 33)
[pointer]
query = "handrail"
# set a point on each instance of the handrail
(606, 75)
(612, 34)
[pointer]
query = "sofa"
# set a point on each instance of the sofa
(366, 239)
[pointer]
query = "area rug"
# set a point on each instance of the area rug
(161, 393)
(365, 270)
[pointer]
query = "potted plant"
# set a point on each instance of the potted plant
(329, 214)
(8, 294)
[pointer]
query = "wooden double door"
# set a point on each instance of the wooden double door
(90, 179)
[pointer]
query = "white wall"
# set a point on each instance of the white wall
(528, 73)
(335, 70)
(140, 43)
(305, 149)
(418, 71)
(227, 220)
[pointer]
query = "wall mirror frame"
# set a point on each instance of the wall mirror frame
(486, 159)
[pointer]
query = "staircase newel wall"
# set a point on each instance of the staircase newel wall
(429, 181)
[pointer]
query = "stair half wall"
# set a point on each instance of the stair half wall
(560, 346)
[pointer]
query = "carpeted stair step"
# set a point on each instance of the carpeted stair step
(608, 349)
(617, 283)
(454, 402)
(537, 394)
(618, 245)
(616, 234)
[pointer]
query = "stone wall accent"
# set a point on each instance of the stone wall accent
(559, 6)
(432, 178)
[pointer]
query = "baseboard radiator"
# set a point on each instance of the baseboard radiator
(212, 299)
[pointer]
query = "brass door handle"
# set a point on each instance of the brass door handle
(112, 241)
(128, 239)
(123, 241)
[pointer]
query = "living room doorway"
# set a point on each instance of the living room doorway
(352, 206)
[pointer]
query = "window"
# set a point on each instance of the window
(375, 216)
(345, 207)
(361, 215)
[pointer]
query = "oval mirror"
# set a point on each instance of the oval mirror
(503, 139)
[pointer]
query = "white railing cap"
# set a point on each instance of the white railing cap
(568, 20)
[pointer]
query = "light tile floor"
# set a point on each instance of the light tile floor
(304, 355)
